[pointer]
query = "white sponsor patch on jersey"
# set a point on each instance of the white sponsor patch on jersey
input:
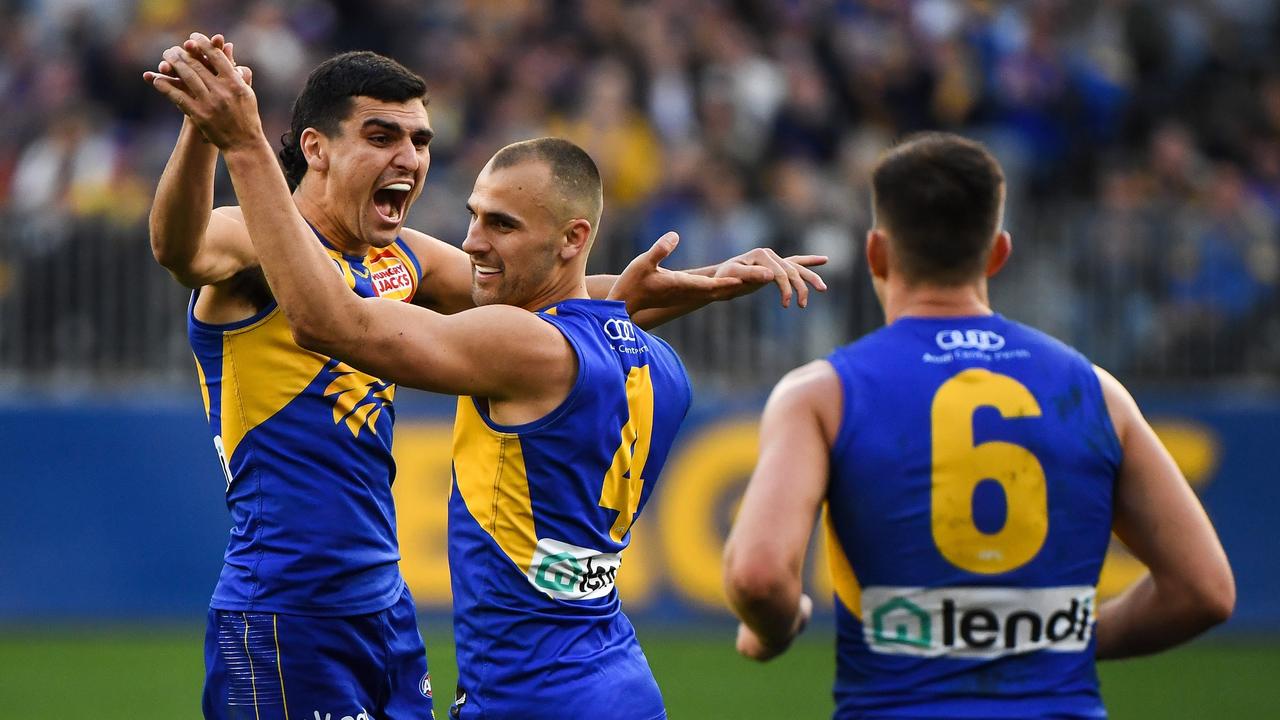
(977, 622)
(392, 280)
(569, 572)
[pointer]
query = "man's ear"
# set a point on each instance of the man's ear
(877, 254)
(576, 239)
(1001, 249)
(315, 149)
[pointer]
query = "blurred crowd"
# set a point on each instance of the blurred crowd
(1141, 138)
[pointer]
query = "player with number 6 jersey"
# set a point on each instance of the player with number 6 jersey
(538, 520)
(972, 470)
(976, 512)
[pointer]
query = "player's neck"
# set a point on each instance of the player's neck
(333, 231)
(935, 301)
(572, 287)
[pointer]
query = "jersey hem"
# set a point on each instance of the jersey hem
(365, 608)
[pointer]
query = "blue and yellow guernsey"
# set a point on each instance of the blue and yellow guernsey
(538, 518)
(305, 447)
(969, 510)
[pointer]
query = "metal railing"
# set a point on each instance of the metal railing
(84, 308)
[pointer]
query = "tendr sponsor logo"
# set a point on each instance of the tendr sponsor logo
(977, 622)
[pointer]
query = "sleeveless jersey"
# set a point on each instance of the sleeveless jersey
(305, 447)
(538, 518)
(968, 513)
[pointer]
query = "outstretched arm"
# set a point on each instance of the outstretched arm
(1190, 587)
(461, 354)
(764, 555)
(197, 244)
(656, 295)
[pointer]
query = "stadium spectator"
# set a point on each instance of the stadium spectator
(1064, 92)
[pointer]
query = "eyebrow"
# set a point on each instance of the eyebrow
(496, 216)
(423, 135)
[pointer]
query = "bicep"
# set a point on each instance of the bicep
(224, 251)
(790, 479)
(484, 352)
(446, 275)
(1156, 514)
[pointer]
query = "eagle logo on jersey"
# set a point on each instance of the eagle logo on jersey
(358, 398)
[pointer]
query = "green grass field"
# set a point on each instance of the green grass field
(74, 674)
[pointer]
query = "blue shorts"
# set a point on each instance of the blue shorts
(265, 666)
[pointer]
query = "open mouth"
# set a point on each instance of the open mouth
(486, 271)
(390, 201)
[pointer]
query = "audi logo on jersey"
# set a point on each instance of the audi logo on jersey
(617, 329)
(984, 340)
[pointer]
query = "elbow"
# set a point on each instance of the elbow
(315, 325)
(314, 331)
(754, 581)
(177, 263)
(1217, 600)
(1208, 601)
(161, 251)
(309, 334)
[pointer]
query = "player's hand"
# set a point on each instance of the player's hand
(165, 69)
(646, 284)
(200, 77)
(752, 646)
(761, 266)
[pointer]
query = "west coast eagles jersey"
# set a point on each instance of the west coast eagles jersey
(539, 517)
(969, 510)
(305, 447)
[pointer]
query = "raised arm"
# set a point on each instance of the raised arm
(1190, 588)
(654, 294)
(764, 554)
(497, 351)
(195, 243)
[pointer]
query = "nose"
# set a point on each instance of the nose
(475, 243)
(407, 157)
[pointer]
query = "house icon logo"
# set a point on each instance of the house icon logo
(901, 622)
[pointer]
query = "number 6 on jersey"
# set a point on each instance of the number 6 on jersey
(959, 466)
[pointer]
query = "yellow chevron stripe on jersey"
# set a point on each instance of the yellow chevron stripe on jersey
(490, 472)
(842, 577)
(262, 371)
(204, 387)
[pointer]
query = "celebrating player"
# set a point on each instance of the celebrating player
(973, 470)
(304, 438)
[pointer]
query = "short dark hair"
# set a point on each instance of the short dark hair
(572, 169)
(939, 195)
(329, 96)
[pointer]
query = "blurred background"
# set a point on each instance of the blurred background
(1141, 140)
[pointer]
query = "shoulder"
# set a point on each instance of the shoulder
(427, 246)
(514, 335)
(814, 390)
(809, 380)
(1121, 406)
(230, 212)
